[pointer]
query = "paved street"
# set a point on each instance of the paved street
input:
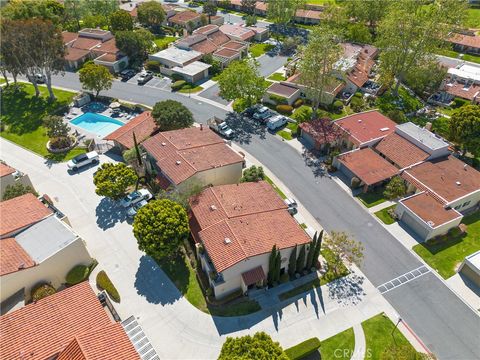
(435, 313)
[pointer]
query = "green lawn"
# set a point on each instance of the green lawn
(335, 347)
(275, 187)
(287, 135)
(190, 90)
(277, 77)
(2, 80)
(385, 216)
(293, 127)
(259, 49)
(473, 18)
(372, 198)
(320, 2)
(22, 115)
(454, 54)
(163, 41)
(446, 255)
(315, 283)
(378, 334)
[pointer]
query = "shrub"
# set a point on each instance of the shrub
(278, 100)
(41, 291)
(355, 182)
(18, 189)
(284, 278)
(239, 105)
(284, 109)
(253, 174)
(303, 349)
(152, 65)
(337, 106)
(397, 115)
(458, 102)
(77, 274)
(104, 283)
(357, 104)
(177, 77)
(177, 85)
(298, 103)
(60, 142)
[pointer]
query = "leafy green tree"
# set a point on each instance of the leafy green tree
(160, 228)
(311, 252)
(210, 8)
(292, 261)
(250, 20)
(272, 265)
(464, 128)
(95, 78)
(95, 21)
(137, 150)
(318, 63)
(184, 194)
(248, 6)
(282, 12)
(135, 44)
(253, 174)
(370, 14)
(121, 20)
(395, 188)
(241, 80)
(300, 260)
(171, 115)
(278, 264)
(426, 78)
(18, 189)
(411, 32)
(343, 247)
(151, 14)
(359, 33)
(259, 346)
(56, 127)
(113, 180)
(50, 10)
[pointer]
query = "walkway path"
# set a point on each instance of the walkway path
(360, 343)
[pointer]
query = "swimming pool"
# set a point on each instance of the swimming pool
(97, 124)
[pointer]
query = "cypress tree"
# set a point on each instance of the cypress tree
(278, 262)
(292, 262)
(311, 251)
(271, 265)
(301, 260)
(318, 246)
(137, 150)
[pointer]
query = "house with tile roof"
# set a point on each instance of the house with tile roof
(44, 252)
(10, 176)
(467, 42)
(71, 324)
(462, 81)
(192, 154)
(235, 227)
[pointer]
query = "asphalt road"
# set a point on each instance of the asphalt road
(448, 327)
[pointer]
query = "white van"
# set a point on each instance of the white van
(275, 122)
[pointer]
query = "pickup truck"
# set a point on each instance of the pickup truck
(220, 127)
(276, 121)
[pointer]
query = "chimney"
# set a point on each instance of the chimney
(201, 126)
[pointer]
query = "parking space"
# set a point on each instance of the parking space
(158, 82)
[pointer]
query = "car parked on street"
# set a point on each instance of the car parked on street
(134, 197)
(220, 127)
(127, 74)
(145, 76)
(262, 114)
(83, 160)
(132, 210)
(276, 122)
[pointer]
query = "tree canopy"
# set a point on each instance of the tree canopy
(113, 180)
(343, 247)
(95, 78)
(259, 346)
(55, 126)
(241, 80)
(171, 115)
(51, 10)
(210, 8)
(248, 6)
(17, 189)
(121, 20)
(464, 127)
(253, 174)
(282, 12)
(160, 228)
(150, 14)
(135, 44)
(395, 188)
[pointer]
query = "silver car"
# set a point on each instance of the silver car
(132, 211)
(134, 197)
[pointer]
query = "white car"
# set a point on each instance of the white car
(275, 122)
(132, 211)
(83, 160)
(134, 197)
(290, 202)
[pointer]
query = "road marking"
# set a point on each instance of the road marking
(139, 340)
(403, 279)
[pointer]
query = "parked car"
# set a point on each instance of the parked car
(262, 114)
(127, 74)
(290, 202)
(145, 76)
(83, 160)
(276, 122)
(220, 127)
(132, 210)
(39, 78)
(134, 197)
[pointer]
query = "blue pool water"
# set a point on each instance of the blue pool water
(97, 124)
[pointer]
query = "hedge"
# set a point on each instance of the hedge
(303, 349)
(177, 85)
(298, 103)
(77, 274)
(104, 283)
(284, 109)
(278, 100)
(41, 291)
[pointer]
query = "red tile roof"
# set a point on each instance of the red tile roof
(401, 151)
(107, 342)
(457, 88)
(449, 178)
(20, 212)
(13, 257)
(205, 47)
(43, 329)
(234, 45)
(366, 126)
(73, 54)
(472, 41)
(142, 125)
(6, 170)
(206, 29)
(426, 207)
(323, 131)
(218, 38)
(184, 17)
(109, 46)
(368, 166)
(243, 220)
(182, 153)
(237, 31)
(309, 14)
(69, 36)
(85, 43)
(253, 276)
(226, 53)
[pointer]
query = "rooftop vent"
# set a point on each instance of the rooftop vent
(178, 162)
(164, 144)
(227, 241)
(430, 223)
(458, 183)
(465, 167)
(385, 129)
(213, 207)
(359, 120)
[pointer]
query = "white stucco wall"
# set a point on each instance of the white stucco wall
(229, 174)
(473, 198)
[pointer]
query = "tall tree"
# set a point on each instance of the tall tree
(248, 6)
(12, 48)
(241, 80)
(369, 12)
(113, 180)
(171, 115)
(311, 252)
(151, 14)
(278, 265)
(292, 261)
(318, 63)
(101, 7)
(301, 260)
(412, 31)
(271, 266)
(135, 44)
(343, 247)
(95, 78)
(281, 12)
(464, 128)
(318, 248)
(210, 8)
(73, 12)
(259, 346)
(40, 9)
(121, 20)
(137, 150)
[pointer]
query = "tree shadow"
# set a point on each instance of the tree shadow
(109, 213)
(244, 128)
(347, 290)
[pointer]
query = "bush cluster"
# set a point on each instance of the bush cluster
(77, 274)
(104, 283)
(41, 291)
(284, 109)
(298, 103)
(278, 100)
(177, 85)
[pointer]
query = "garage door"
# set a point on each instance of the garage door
(415, 225)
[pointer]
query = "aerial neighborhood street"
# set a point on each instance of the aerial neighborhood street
(183, 180)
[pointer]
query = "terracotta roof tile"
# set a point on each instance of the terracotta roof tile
(368, 166)
(184, 17)
(401, 151)
(73, 54)
(205, 47)
(457, 88)
(253, 276)
(109, 46)
(466, 40)
(226, 53)
(6, 170)
(218, 38)
(143, 125)
(322, 130)
(13, 257)
(85, 43)
(236, 31)
(234, 45)
(43, 329)
(69, 36)
(20, 212)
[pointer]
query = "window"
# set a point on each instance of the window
(457, 207)
(466, 203)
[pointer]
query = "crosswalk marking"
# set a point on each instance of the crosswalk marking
(403, 279)
(139, 339)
